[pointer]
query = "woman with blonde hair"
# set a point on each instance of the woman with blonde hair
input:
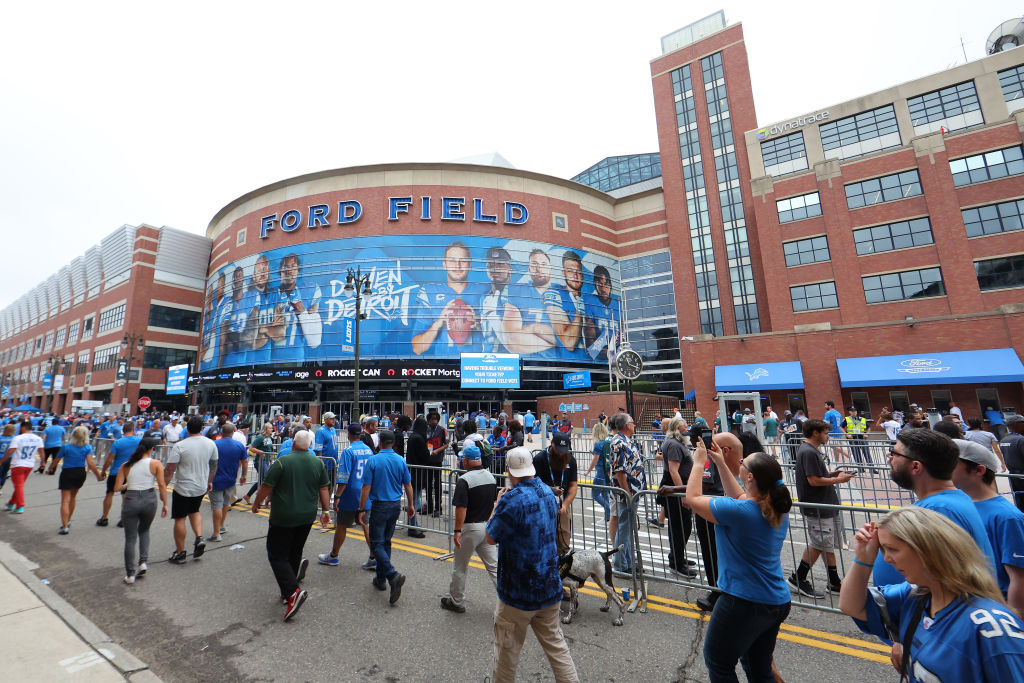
(74, 457)
(601, 463)
(948, 620)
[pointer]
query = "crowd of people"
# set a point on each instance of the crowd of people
(953, 563)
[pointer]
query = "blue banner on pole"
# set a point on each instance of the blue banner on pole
(576, 380)
(47, 381)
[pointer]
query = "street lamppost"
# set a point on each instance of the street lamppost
(130, 342)
(55, 363)
(357, 283)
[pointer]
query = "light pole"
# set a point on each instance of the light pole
(55, 362)
(131, 342)
(358, 284)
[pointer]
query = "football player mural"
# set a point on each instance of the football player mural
(432, 297)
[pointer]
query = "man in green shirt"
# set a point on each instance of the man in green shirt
(771, 427)
(295, 484)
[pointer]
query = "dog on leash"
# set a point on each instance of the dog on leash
(575, 567)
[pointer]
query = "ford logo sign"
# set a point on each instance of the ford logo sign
(921, 363)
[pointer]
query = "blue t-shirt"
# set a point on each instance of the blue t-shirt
(385, 423)
(122, 450)
(979, 640)
(481, 421)
(524, 525)
(5, 443)
(528, 420)
(53, 436)
(956, 506)
(834, 419)
(386, 474)
(1004, 524)
(286, 447)
(230, 454)
(105, 429)
(74, 456)
(605, 317)
(749, 552)
(430, 300)
(496, 442)
(326, 445)
(350, 473)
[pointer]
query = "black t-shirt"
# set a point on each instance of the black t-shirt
(675, 451)
(560, 479)
(515, 439)
(809, 463)
(476, 490)
(1012, 448)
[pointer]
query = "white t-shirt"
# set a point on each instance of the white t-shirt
(172, 432)
(25, 446)
(472, 439)
(892, 428)
(955, 410)
(240, 437)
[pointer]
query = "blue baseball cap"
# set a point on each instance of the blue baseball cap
(471, 453)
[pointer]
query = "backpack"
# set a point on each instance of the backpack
(486, 451)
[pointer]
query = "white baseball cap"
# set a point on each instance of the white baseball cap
(519, 462)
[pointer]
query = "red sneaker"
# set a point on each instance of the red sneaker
(294, 603)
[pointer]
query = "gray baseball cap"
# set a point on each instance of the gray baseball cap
(976, 453)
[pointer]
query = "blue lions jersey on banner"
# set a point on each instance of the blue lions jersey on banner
(533, 308)
(264, 312)
(571, 305)
(237, 313)
(431, 301)
(605, 317)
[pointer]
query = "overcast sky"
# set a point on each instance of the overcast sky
(162, 113)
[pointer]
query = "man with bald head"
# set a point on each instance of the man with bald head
(711, 484)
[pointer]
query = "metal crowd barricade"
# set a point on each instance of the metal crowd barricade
(101, 448)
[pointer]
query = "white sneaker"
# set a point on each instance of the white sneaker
(129, 580)
(214, 539)
(141, 571)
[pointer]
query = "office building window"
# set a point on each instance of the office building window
(48, 342)
(785, 154)
(59, 342)
(994, 218)
(885, 189)
(87, 327)
(798, 208)
(1000, 273)
(161, 357)
(952, 108)
(859, 400)
(1012, 82)
(105, 359)
(899, 235)
(814, 297)
(800, 252)
(908, 284)
(73, 333)
(83, 363)
(173, 318)
(863, 133)
(988, 166)
(112, 318)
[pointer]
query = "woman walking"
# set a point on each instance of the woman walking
(74, 457)
(136, 478)
(5, 441)
(750, 529)
(600, 465)
(948, 620)
(261, 449)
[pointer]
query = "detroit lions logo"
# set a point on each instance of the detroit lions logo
(759, 372)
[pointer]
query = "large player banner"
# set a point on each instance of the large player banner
(433, 296)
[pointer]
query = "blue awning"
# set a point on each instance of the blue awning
(755, 376)
(953, 367)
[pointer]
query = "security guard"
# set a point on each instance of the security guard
(856, 428)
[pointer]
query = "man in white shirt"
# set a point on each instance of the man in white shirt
(22, 451)
(954, 409)
(172, 431)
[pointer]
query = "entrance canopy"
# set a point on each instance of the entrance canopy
(953, 367)
(755, 376)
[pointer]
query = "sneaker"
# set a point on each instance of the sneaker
(435, 514)
(325, 558)
(691, 563)
(143, 568)
(178, 558)
(64, 531)
(18, 511)
(303, 566)
(687, 572)
(130, 579)
(804, 587)
(653, 521)
(416, 533)
(834, 587)
(450, 605)
(120, 524)
(215, 539)
(223, 530)
(396, 588)
(381, 586)
(707, 602)
(370, 565)
(198, 548)
(102, 521)
(294, 603)
(10, 506)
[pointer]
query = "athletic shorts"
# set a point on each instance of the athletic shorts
(71, 478)
(821, 533)
(223, 498)
(111, 480)
(51, 452)
(347, 518)
(183, 506)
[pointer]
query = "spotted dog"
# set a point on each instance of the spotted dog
(576, 567)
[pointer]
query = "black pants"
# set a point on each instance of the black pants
(433, 481)
(680, 524)
(284, 550)
(708, 549)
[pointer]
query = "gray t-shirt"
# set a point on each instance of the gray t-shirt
(193, 459)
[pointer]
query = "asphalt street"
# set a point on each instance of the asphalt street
(220, 618)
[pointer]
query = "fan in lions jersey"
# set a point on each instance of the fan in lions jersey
(446, 319)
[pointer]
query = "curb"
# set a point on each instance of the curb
(130, 666)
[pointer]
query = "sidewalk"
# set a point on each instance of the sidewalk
(46, 639)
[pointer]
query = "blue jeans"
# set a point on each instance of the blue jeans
(601, 498)
(744, 631)
(624, 535)
(383, 516)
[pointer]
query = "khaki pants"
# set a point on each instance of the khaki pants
(474, 537)
(510, 632)
(563, 537)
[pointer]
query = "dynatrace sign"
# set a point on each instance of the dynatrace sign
(799, 122)
(425, 208)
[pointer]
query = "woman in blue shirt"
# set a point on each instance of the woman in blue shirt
(949, 607)
(750, 529)
(74, 457)
(600, 464)
(5, 441)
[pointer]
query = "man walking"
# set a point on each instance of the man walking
(385, 478)
(523, 527)
(326, 446)
(232, 457)
(351, 466)
(816, 484)
(1011, 445)
(120, 451)
(294, 485)
(475, 494)
(529, 422)
(192, 464)
(628, 471)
